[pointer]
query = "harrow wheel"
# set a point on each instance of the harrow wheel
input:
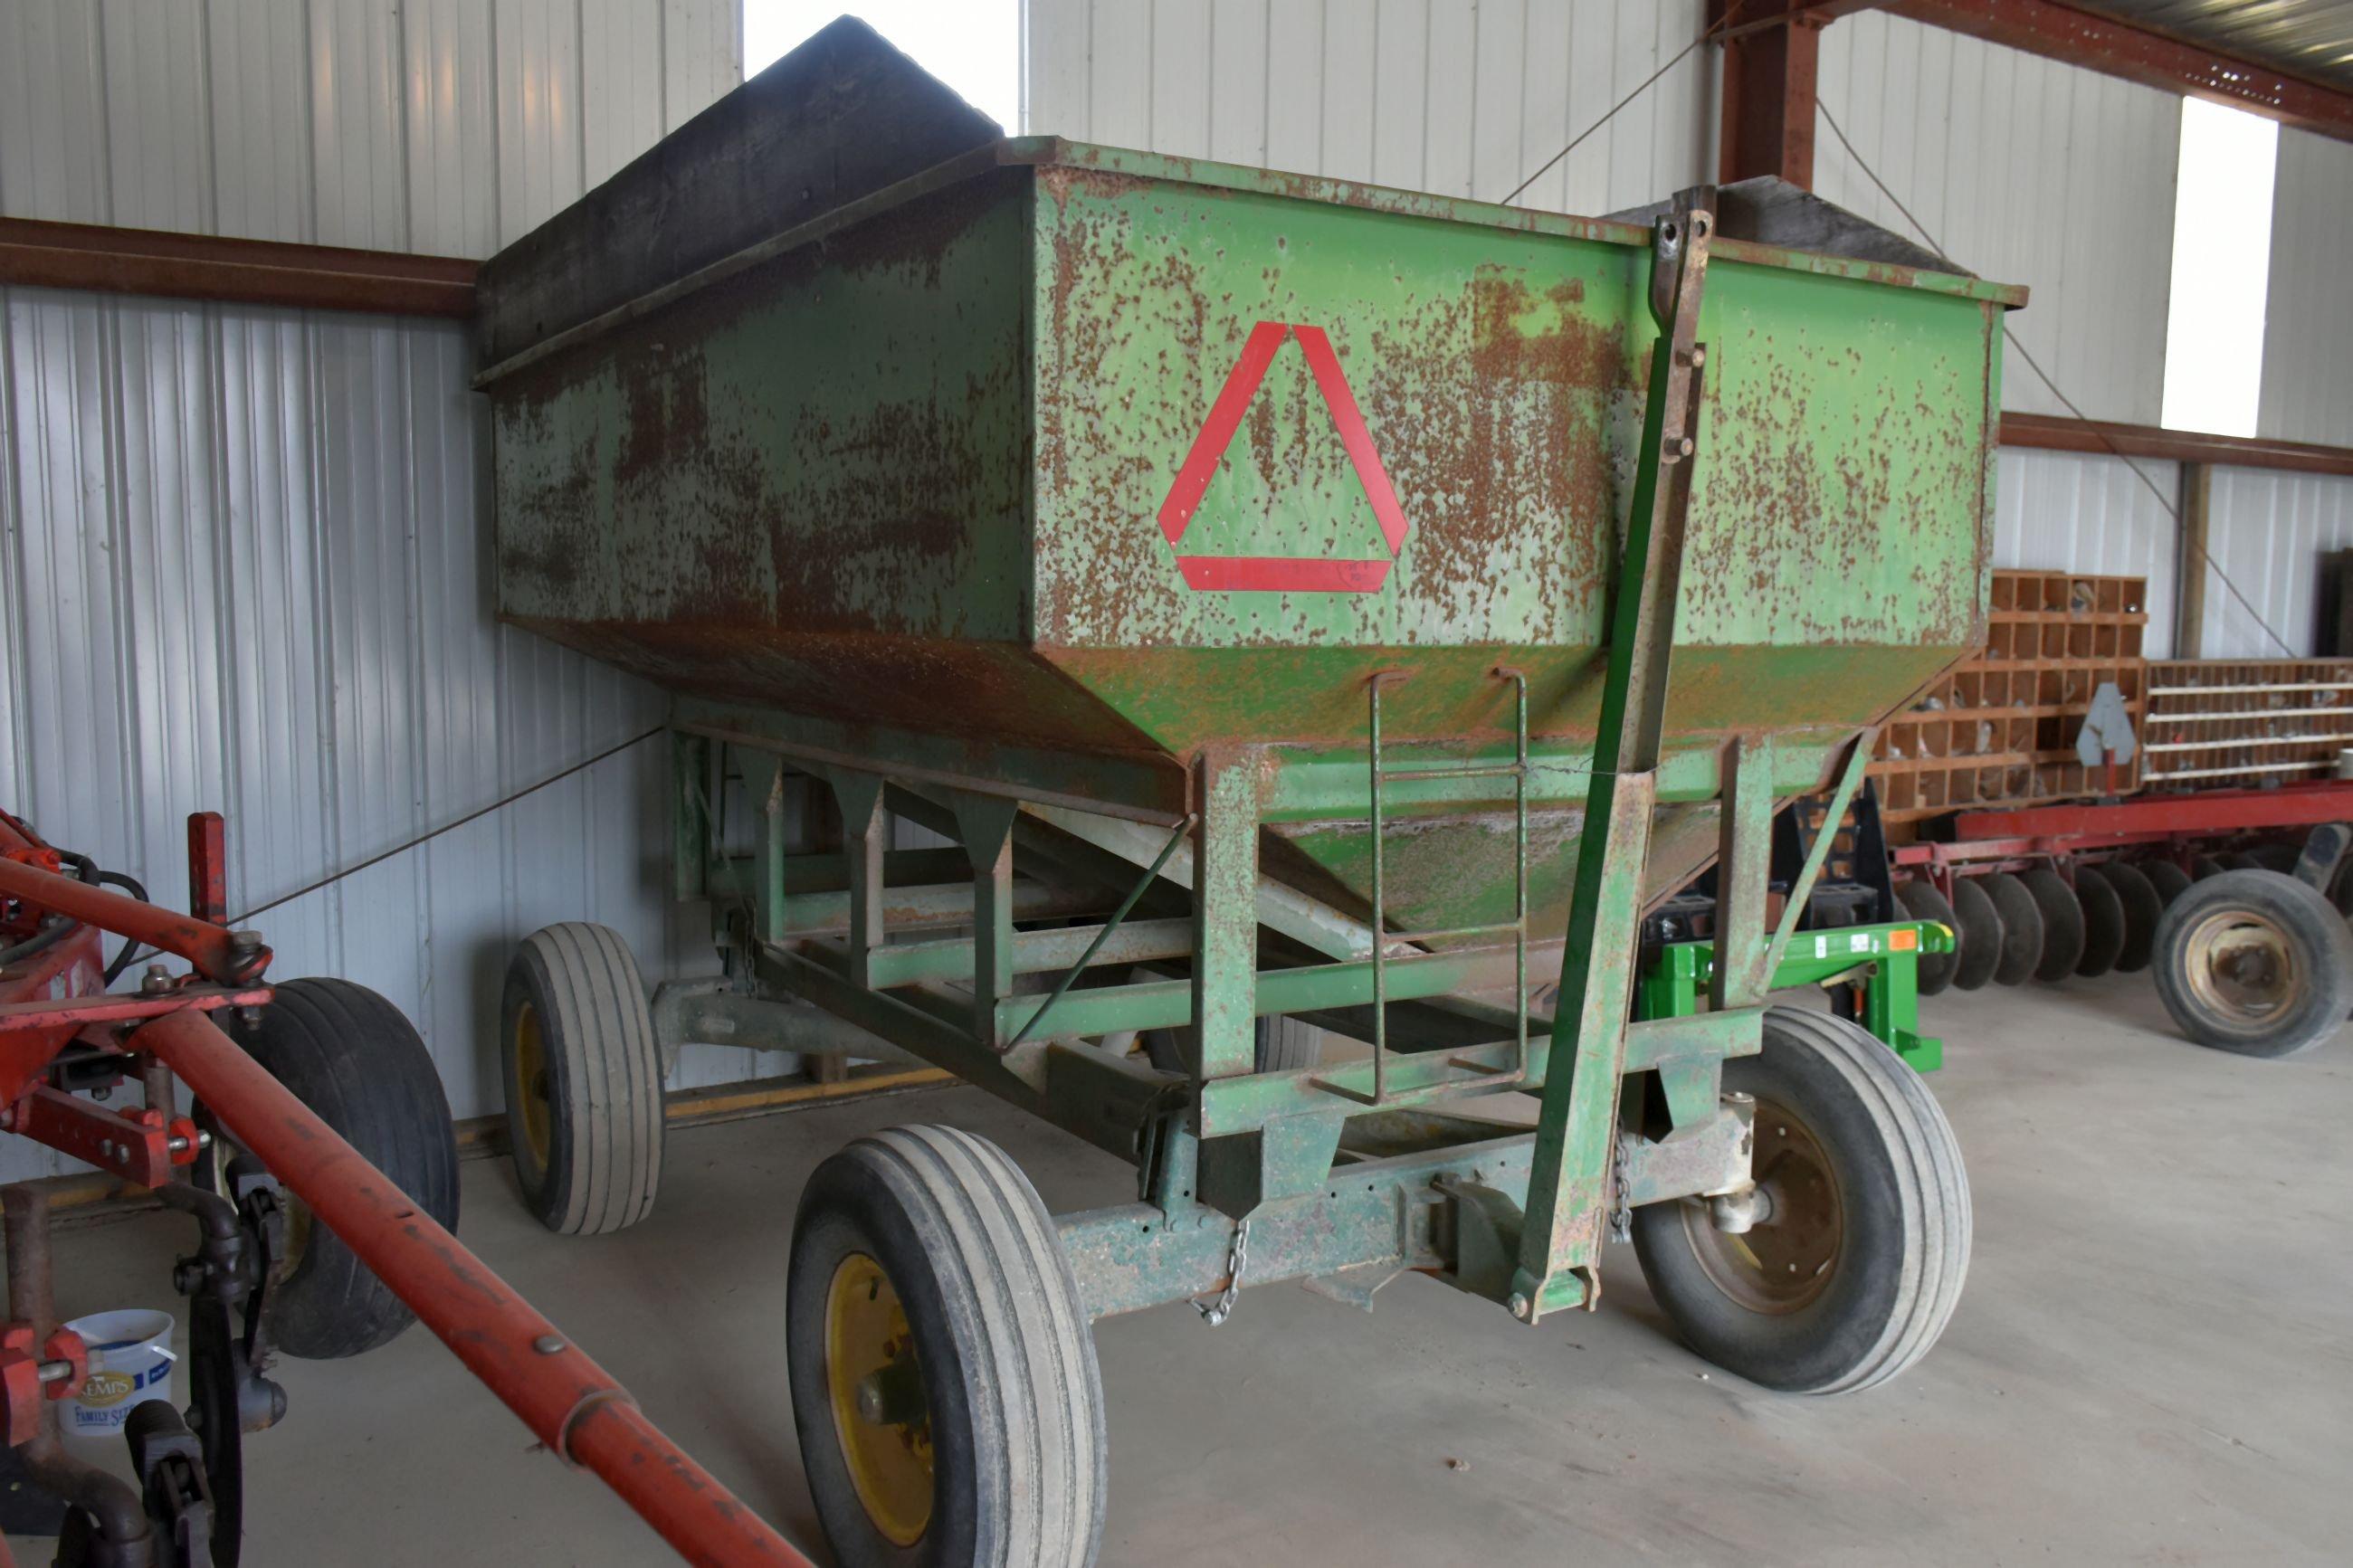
(2256, 962)
(2169, 879)
(2021, 928)
(2062, 923)
(943, 1370)
(2103, 922)
(2143, 907)
(1857, 1258)
(584, 1080)
(1921, 902)
(1980, 932)
(352, 1057)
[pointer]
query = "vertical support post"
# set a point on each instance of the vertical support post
(1744, 871)
(690, 816)
(1224, 913)
(865, 839)
(764, 779)
(1769, 67)
(208, 867)
(986, 823)
(1560, 1244)
(2189, 608)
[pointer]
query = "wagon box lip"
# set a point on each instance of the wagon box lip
(1056, 152)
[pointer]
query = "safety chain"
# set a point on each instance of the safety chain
(1621, 1214)
(1223, 1308)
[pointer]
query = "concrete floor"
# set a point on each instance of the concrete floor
(2153, 1363)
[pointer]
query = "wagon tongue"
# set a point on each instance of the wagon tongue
(840, 117)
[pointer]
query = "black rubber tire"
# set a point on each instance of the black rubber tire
(2103, 910)
(1981, 934)
(2143, 908)
(2169, 879)
(604, 1080)
(1284, 1044)
(2062, 923)
(2242, 860)
(1013, 1396)
(2204, 867)
(1903, 1250)
(352, 1057)
(2021, 928)
(2280, 857)
(1921, 902)
(2319, 944)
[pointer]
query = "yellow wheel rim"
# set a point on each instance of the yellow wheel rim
(881, 1417)
(531, 1083)
(1787, 1262)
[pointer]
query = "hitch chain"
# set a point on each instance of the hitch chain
(1223, 1308)
(1621, 1214)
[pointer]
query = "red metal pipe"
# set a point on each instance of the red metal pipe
(570, 1402)
(209, 947)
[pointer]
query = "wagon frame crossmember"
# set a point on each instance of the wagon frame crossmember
(1083, 902)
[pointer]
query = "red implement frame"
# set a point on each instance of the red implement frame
(1999, 840)
(570, 1402)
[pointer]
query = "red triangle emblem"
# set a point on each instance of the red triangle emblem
(1280, 573)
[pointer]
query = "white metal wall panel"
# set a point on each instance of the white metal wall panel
(2307, 391)
(2063, 511)
(1464, 98)
(2026, 171)
(2268, 532)
(243, 561)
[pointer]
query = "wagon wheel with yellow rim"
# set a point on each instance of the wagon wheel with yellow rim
(942, 1367)
(1844, 1264)
(584, 1080)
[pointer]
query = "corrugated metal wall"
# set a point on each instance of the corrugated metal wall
(2309, 315)
(2024, 170)
(1464, 98)
(244, 560)
(2061, 511)
(2267, 531)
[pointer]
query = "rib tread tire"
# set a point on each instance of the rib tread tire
(360, 1065)
(2325, 946)
(1929, 1185)
(979, 1266)
(605, 1080)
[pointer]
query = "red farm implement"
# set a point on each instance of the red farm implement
(308, 1246)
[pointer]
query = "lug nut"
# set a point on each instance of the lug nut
(1521, 1308)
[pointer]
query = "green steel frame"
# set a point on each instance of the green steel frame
(1881, 961)
(1346, 1172)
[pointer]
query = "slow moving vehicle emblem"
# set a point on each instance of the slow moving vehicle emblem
(1282, 573)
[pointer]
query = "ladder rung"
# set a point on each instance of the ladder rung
(1469, 771)
(1508, 927)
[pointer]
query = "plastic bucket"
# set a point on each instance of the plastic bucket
(130, 1359)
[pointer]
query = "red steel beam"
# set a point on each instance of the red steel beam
(39, 254)
(2055, 434)
(209, 947)
(2119, 48)
(2213, 811)
(1771, 48)
(570, 1402)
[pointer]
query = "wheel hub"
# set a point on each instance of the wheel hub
(2239, 964)
(1786, 1259)
(532, 1079)
(881, 1417)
